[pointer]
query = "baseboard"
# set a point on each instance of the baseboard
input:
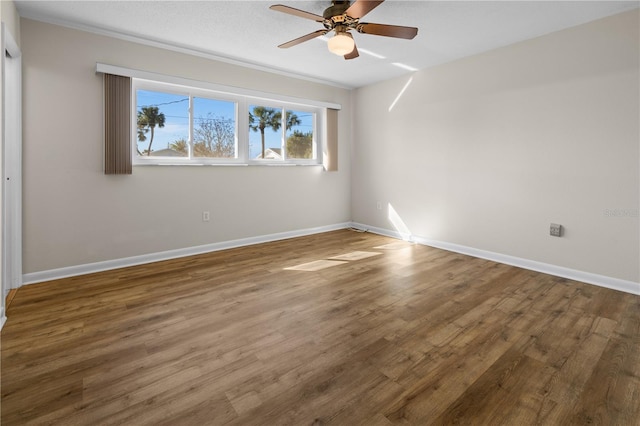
(572, 274)
(559, 271)
(71, 271)
(3, 318)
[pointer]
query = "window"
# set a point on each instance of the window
(198, 122)
(176, 124)
(281, 134)
(162, 121)
(214, 128)
(300, 143)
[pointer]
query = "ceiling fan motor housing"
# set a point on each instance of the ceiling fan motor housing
(337, 8)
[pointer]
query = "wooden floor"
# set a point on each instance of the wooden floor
(408, 335)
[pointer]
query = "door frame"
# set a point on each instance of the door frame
(11, 165)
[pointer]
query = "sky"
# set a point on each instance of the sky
(175, 108)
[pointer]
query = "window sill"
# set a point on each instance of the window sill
(225, 165)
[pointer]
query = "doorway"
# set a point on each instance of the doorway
(11, 165)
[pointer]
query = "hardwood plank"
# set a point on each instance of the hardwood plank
(412, 335)
(435, 383)
(495, 398)
(610, 396)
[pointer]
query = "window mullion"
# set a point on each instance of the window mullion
(242, 132)
(317, 137)
(283, 135)
(190, 127)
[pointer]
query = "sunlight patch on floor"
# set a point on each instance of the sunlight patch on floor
(316, 265)
(355, 255)
(393, 246)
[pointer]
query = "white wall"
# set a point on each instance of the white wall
(75, 215)
(487, 151)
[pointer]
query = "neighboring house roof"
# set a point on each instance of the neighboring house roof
(167, 152)
(271, 154)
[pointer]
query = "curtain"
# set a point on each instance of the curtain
(330, 158)
(117, 125)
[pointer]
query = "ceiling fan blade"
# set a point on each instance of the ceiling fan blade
(296, 12)
(354, 53)
(303, 38)
(396, 31)
(361, 7)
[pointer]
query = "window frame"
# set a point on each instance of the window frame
(242, 102)
(284, 107)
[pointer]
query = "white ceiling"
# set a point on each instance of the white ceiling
(249, 32)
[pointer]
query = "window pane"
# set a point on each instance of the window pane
(265, 133)
(214, 128)
(162, 124)
(299, 136)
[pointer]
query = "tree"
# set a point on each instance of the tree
(263, 117)
(180, 146)
(148, 119)
(300, 145)
(214, 137)
(141, 136)
(292, 120)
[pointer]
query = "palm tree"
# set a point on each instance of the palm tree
(148, 119)
(263, 117)
(292, 120)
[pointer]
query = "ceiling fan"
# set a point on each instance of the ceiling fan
(341, 17)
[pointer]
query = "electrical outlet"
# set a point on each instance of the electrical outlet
(555, 230)
(206, 216)
(379, 205)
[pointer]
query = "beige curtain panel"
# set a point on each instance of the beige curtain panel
(330, 159)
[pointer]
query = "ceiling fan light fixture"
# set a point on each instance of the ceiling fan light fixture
(341, 44)
(341, 17)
